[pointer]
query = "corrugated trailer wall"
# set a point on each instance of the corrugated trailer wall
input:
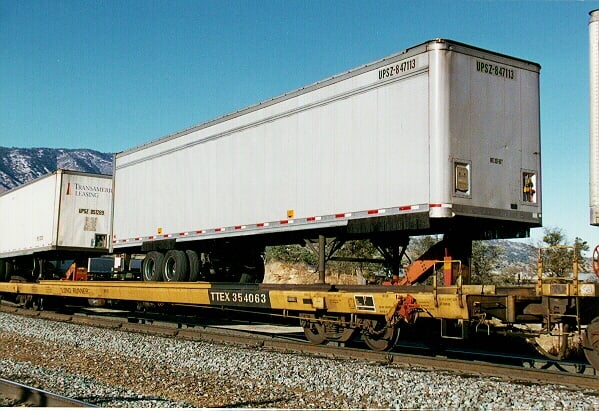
(376, 138)
(594, 116)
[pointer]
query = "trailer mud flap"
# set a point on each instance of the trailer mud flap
(412, 221)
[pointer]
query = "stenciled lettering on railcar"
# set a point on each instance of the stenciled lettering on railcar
(495, 70)
(241, 298)
(74, 290)
(397, 68)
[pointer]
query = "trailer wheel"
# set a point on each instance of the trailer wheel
(9, 267)
(194, 265)
(152, 266)
(3, 276)
(175, 266)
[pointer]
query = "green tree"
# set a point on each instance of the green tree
(290, 253)
(558, 254)
(357, 249)
(485, 258)
(420, 245)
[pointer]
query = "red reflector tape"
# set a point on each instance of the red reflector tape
(284, 221)
(311, 219)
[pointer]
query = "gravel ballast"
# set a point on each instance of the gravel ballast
(118, 369)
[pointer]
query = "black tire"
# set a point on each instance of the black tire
(175, 266)
(3, 274)
(9, 270)
(194, 265)
(151, 269)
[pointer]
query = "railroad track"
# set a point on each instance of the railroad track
(23, 395)
(292, 342)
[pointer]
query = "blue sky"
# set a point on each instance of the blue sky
(111, 75)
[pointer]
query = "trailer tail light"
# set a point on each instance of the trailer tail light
(529, 187)
(462, 178)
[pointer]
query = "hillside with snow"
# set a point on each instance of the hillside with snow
(20, 165)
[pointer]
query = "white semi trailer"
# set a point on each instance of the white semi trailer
(439, 138)
(61, 215)
(594, 116)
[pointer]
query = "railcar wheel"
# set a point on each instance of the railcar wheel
(596, 260)
(175, 266)
(379, 336)
(553, 347)
(151, 269)
(37, 303)
(313, 329)
(194, 265)
(590, 339)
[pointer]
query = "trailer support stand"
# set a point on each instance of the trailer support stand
(321, 259)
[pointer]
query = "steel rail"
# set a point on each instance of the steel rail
(25, 395)
(289, 344)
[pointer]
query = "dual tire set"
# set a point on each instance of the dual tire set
(174, 265)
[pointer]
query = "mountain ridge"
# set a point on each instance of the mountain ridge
(20, 165)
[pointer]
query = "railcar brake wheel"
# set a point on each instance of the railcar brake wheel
(379, 336)
(596, 260)
(590, 340)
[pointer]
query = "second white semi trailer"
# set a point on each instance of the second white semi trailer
(439, 138)
(61, 215)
